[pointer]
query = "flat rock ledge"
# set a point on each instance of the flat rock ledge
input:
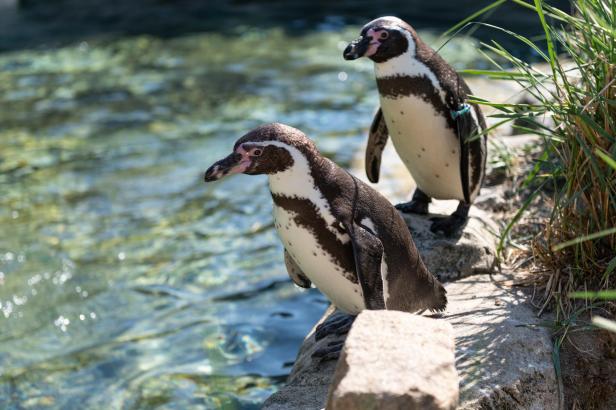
(421, 376)
(502, 356)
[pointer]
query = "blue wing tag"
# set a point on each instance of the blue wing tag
(465, 109)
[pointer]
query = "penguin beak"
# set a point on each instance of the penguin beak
(357, 48)
(232, 164)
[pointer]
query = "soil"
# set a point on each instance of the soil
(588, 363)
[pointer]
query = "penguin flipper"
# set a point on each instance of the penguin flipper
(368, 253)
(466, 130)
(472, 145)
(377, 138)
(295, 273)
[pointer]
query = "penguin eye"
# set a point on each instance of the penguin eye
(257, 152)
(384, 35)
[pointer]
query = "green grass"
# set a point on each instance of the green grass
(577, 90)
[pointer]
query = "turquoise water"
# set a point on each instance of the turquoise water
(125, 281)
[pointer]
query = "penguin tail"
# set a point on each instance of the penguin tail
(439, 298)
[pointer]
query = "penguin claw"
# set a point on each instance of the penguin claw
(448, 225)
(330, 352)
(413, 207)
(334, 325)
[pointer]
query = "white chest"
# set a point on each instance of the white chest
(300, 241)
(317, 264)
(429, 149)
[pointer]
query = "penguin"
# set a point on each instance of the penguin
(338, 233)
(439, 137)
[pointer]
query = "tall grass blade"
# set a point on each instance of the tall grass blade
(602, 294)
(584, 238)
(605, 157)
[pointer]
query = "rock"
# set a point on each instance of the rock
(517, 144)
(503, 355)
(396, 360)
(472, 251)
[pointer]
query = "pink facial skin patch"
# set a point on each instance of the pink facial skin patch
(374, 42)
(244, 163)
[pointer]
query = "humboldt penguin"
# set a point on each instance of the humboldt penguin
(423, 108)
(338, 233)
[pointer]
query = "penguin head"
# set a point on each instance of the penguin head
(267, 149)
(381, 40)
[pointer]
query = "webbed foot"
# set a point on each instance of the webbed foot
(337, 324)
(329, 352)
(450, 225)
(418, 204)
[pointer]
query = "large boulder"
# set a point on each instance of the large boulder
(396, 360)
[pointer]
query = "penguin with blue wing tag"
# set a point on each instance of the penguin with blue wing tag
(423, 109)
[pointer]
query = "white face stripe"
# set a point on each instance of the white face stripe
(412, 48)
(297, 181)
(400, 65)
(407, 65)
